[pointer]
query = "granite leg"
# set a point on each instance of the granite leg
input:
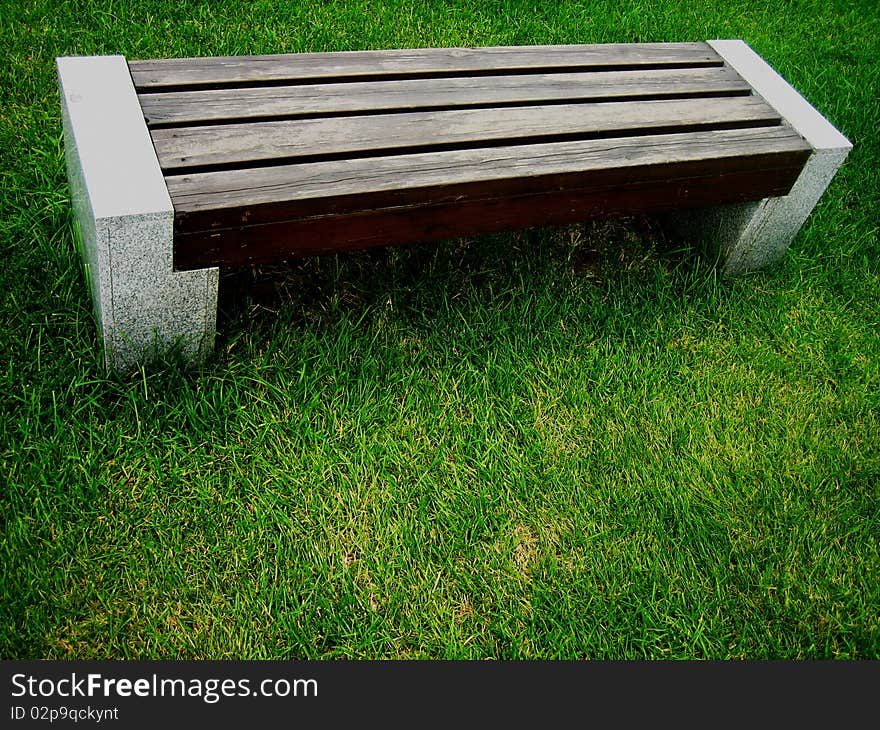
(125, 221)
(753, 235)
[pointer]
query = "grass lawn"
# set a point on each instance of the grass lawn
(555, 443)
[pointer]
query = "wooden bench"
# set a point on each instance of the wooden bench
(181, 166)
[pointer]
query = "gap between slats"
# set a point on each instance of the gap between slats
(217, 107)
(671, 96)
(249, 145)
(172, 172)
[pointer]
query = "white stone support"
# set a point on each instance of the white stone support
(753, 235)
(125, 221)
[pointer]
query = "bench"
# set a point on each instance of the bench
(180, 167)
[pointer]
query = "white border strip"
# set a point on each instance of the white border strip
(116, 155)
(796, 110)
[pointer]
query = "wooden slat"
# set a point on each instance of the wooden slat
(286, 239)
(260, 195)
(189, 107)
(310, 67)
(243, 144)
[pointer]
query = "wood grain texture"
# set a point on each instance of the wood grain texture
(309, 67)
(273, 157)
(242, 144)
(229, 198)
(221, 105)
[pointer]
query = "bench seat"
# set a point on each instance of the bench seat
(281, 156)
(266, 158)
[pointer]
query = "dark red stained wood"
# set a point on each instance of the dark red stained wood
(241, 144)
(310, 67)
(324, 234)
(221, 105)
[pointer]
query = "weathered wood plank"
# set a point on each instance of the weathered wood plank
(306, 67)
(244, 144)
(188, 107)
(260, 195)
(285, 239)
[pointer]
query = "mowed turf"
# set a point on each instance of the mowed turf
(578, 442)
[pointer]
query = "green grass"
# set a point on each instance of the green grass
(565, 443)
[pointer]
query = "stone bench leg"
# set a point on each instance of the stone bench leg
(125, 222)
(753, 235)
